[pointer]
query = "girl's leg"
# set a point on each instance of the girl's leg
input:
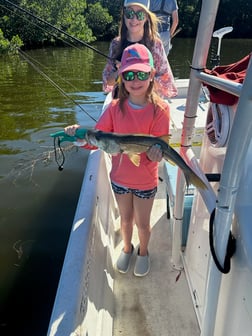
(142, 212)
(125, 205)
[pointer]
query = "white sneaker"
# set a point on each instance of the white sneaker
(123, 262)
(142, 266)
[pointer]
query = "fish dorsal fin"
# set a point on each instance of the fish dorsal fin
(134, 158)
(166, 138)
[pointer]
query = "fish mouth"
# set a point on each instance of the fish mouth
(91, 138)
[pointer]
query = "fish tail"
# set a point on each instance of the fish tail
(192, 178)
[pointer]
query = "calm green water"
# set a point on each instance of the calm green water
(37, 201)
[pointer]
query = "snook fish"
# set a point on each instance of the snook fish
(134, 144)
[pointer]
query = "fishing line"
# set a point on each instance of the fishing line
(40, 27)
(25, 168)
(58, 29)
(60, 164)
(23, 54)
(26, 57)
(33, 60)
(57, 147)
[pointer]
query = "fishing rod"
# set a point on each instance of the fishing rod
(37, 25)
(40, 65)
(31, 62)
(58, 29)
(26, 58)
(57, 137)
(22, 53)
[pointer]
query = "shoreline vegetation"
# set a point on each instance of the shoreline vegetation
(24, 23)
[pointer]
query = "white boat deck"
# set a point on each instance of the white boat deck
(160, 303)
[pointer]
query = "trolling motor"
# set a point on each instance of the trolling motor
(60, 137)
(219, 34)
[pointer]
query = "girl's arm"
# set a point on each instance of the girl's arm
(165, 83)
(110, 73)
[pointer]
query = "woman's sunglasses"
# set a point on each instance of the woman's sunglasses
(130, 14)
(131, 75)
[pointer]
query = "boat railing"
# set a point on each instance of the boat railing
(198, 78)
(238, 144)
(220, 83)
(239, 138)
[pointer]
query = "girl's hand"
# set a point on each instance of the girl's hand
(114, 74)
(70, 130)
(154, 153)
(118, 64)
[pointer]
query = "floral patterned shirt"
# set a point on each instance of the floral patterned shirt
(165, 84)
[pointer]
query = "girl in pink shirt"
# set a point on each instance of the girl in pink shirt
(138, 110)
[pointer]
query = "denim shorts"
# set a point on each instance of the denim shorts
(139, 193)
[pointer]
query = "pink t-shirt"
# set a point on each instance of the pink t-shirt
(135, 121)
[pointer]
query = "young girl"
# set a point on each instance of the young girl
(138, 110)
(139, 25)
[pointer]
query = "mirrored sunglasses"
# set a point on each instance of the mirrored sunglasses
(130, 14)
(131, 75)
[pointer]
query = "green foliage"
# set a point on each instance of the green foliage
(98, 19)
(79, 28)
(114, 8)
(7, 46)
(238, 15)
(66, 15)
(15, 44)
(4, 43)
(189, 12)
